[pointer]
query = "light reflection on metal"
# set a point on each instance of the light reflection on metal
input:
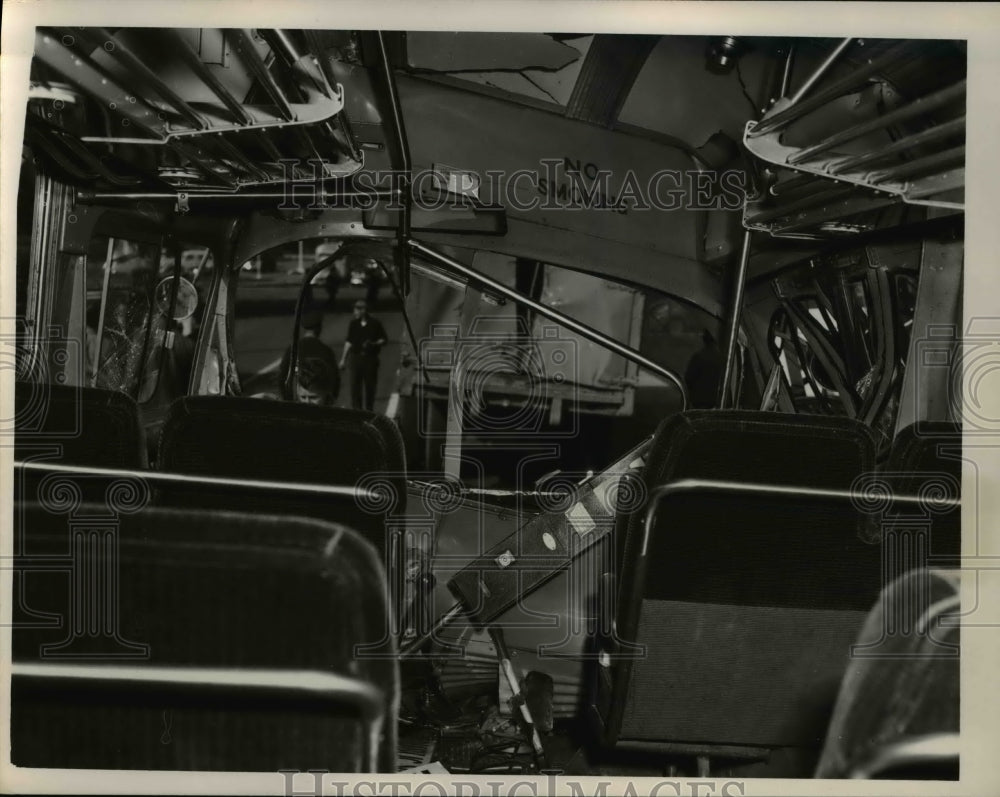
(161, 477)
(821, 70)
(105, 285)
(242, 683)
(733, 327)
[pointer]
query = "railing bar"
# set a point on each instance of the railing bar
(790, 114)
(821, 70)
(127, 58)
(808, 201)
(187, 152)
(918, 106)
(845, 209)
(204, 74)
(915, 167)
(553, 315)
(928, 136)
(234, 152)
(167, 478)
(256, 64)
(312, 682)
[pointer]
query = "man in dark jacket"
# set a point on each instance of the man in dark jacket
(365, 339)
(704, 373)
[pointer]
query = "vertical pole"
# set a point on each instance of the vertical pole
(52, 203)
(733, 328)
(457, 388)
(927, 394)
(104, 308)
(401, 162)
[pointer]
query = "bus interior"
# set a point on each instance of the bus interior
(656, 465)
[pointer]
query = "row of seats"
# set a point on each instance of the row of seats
(230, 437)
(212, 584)
(746, 605)
(736, 613)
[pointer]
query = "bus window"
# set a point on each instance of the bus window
(263, 316)
(142, 317)
(270, 287)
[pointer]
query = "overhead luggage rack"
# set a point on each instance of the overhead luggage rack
(199, 108)
(844, 149)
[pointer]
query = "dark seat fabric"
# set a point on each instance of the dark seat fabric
(747, 446)
(205, 589)
(747, 608)
(746, 605)
(77, 426)
(287, 442)
(903, 682)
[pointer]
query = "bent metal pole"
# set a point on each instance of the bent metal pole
(553, 315)
(733, 328)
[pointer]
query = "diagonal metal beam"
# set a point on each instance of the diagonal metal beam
(607, 75)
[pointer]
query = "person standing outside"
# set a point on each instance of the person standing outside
(704, 374)
(365, 338)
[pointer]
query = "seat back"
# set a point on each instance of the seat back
(234, 637)
(749, 446)
(746, 605)
(259, 439)
(77, 426)
(903, 683)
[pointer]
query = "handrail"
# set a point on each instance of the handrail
(552, 314)
(164, 477)
(733, 327)
(859, 497)
(405, 166)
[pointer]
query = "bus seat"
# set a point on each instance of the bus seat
(78, 426)
(908, 689)
(749, 446)
(228, 643)
(928, 446)
(925, 458)
(746, 605)
(247, 438)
